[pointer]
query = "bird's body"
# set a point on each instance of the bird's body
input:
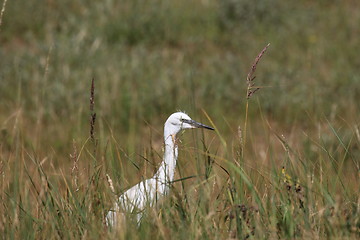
(147, 192)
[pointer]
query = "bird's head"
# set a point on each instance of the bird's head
(179, 121)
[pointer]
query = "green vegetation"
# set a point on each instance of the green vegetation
(294, 175)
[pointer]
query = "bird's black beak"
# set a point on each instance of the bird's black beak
(196, 124)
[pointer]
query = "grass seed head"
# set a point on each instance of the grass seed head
(251, 77)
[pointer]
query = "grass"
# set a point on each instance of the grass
(282, 164)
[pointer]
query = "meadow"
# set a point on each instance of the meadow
(282, 163)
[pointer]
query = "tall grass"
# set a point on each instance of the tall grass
(289, 169)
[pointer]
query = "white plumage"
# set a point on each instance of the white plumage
(148, 192)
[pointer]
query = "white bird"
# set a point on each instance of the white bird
(147, 192)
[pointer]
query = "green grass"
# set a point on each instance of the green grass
(294, 175)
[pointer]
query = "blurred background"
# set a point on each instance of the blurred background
(152, 58)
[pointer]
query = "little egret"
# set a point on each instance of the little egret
(147, 192)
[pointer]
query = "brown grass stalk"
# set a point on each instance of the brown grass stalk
(251, 89)
(92, 112)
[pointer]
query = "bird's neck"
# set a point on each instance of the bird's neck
(166, 172)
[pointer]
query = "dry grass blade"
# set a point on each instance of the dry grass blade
(75, 168)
